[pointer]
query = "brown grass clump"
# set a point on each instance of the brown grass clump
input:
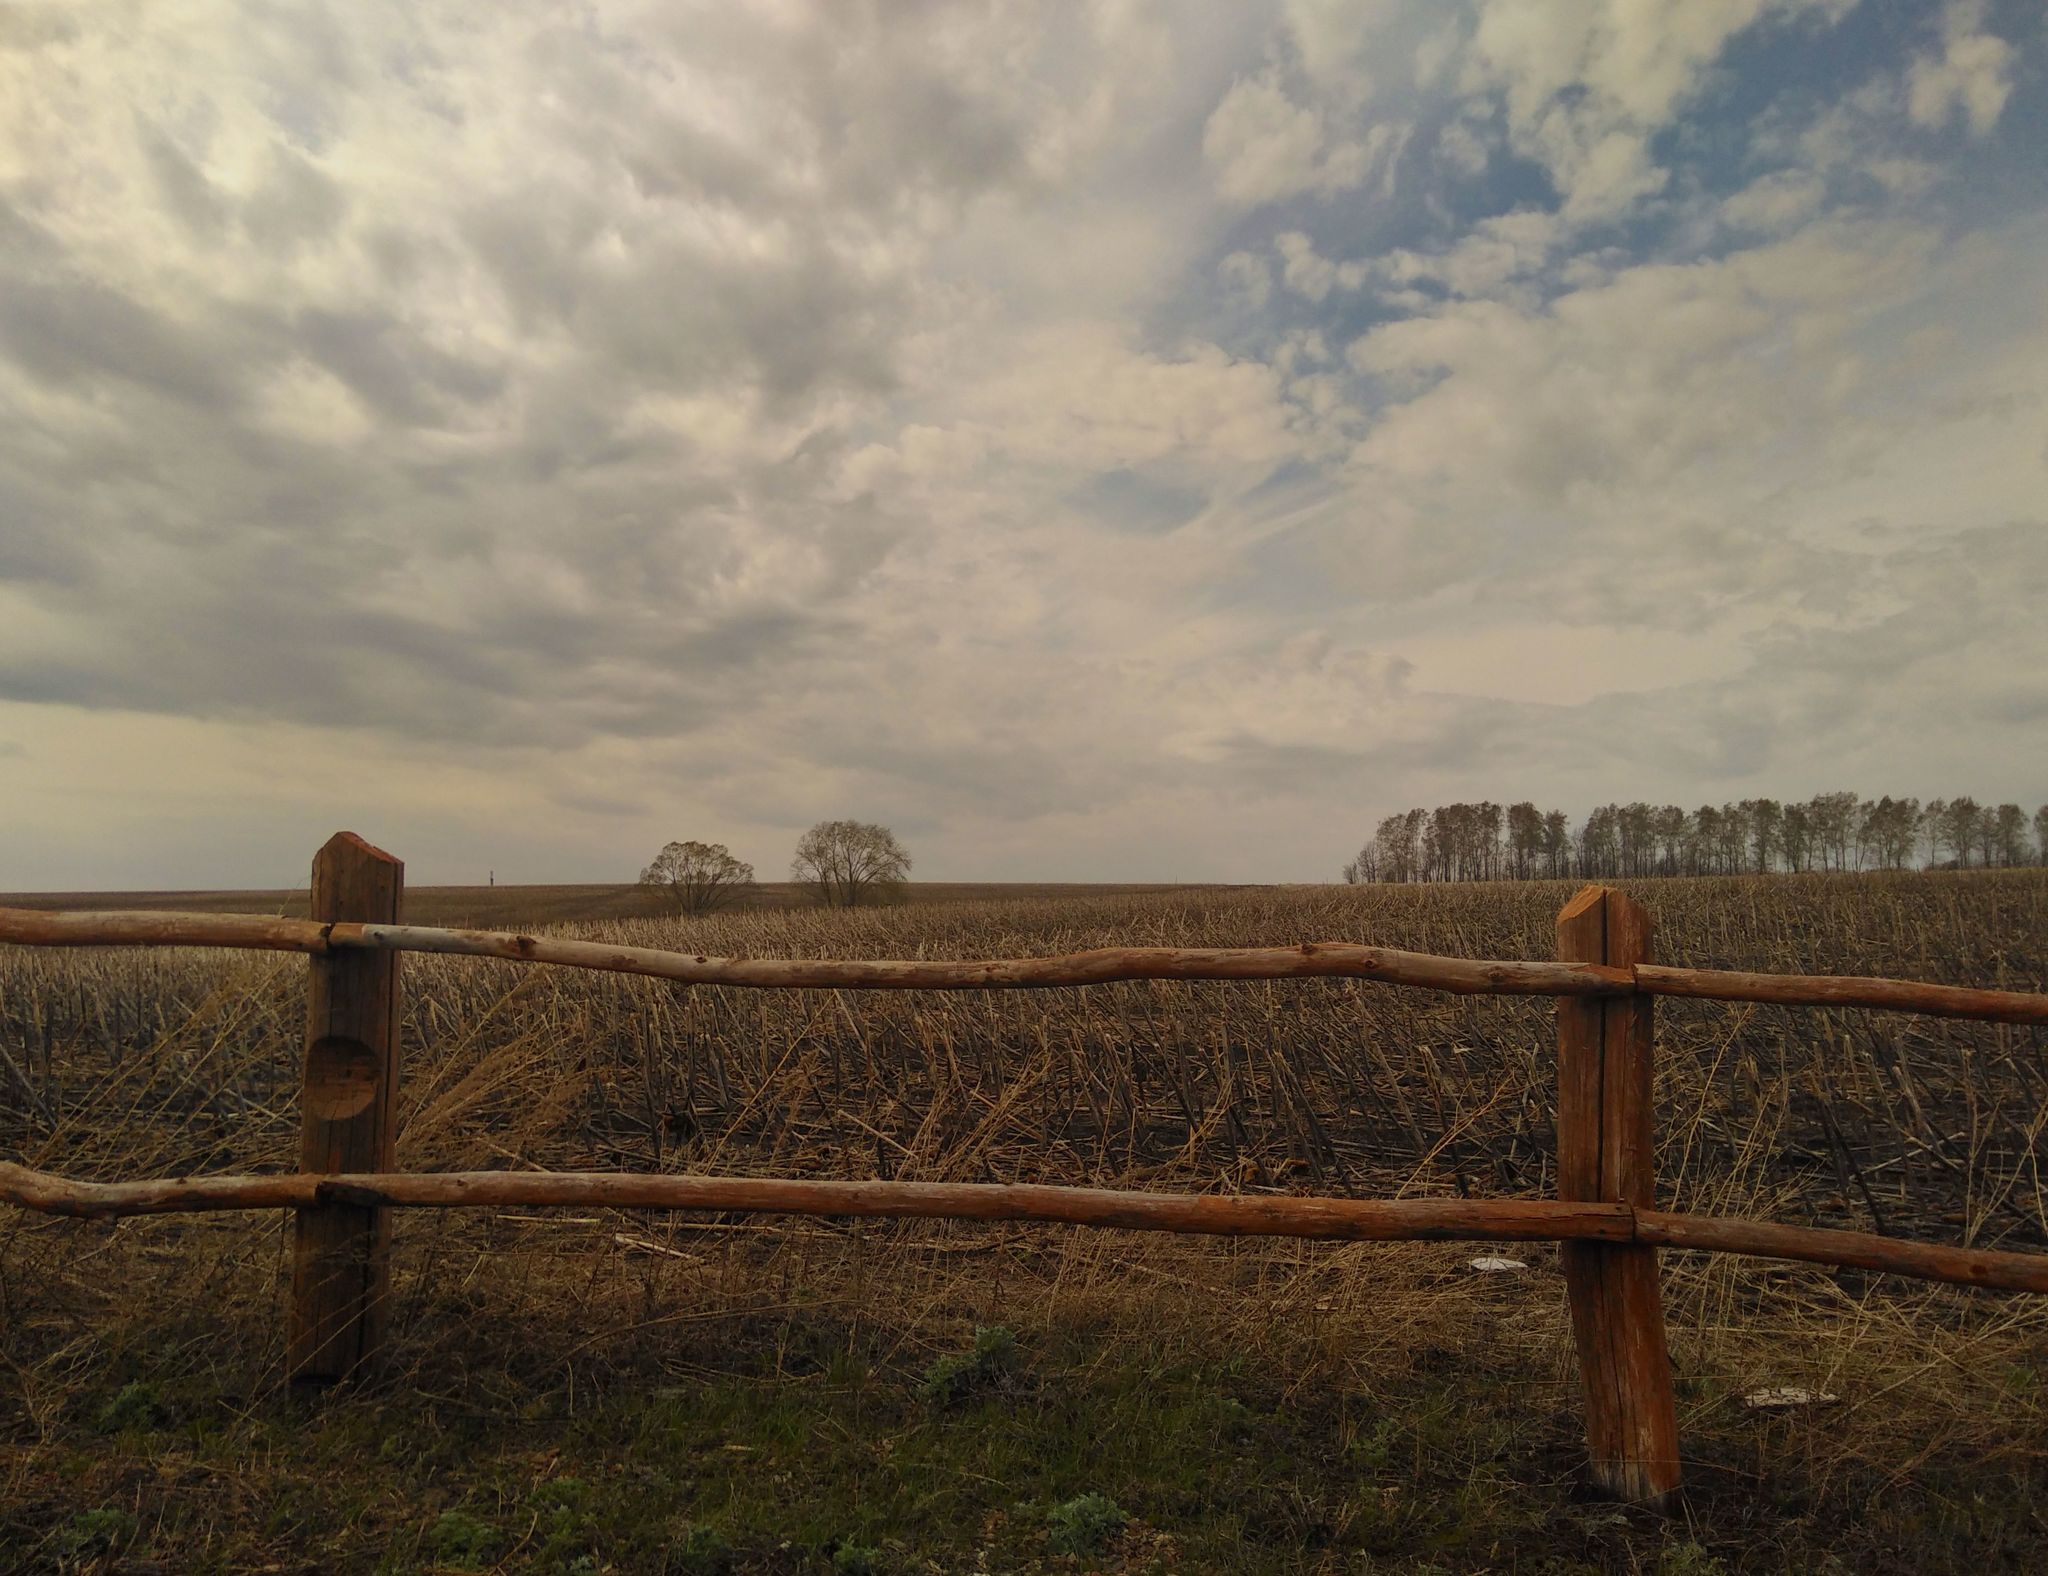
(1397, 1370)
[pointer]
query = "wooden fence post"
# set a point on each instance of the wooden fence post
(348, 1099)
(1605, 1152)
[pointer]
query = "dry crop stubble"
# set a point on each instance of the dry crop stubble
(166, 1063)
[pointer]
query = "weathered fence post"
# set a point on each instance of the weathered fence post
(341, 1252)
(1605, 1152)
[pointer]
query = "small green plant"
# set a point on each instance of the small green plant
(846, 1368)
(98, 1531)
(561, 1507)
(856, 1559)
(1689, 1559)
(459, 1538)
(1372, 1449)
(1083, 1525)
(135, 1405)
(992, 1359)
(703, 1551)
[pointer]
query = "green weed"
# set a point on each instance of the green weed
(990, 1362)
(1083, 1525)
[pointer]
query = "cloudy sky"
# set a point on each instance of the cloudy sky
(1101, 441)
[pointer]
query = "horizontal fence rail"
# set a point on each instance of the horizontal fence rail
(1102, 966)
(1218, 1215)
(1604, 979)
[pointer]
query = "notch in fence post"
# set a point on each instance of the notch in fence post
(348, 1099)
(1605, 1151)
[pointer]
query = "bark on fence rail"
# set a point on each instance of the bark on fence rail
(1338, 1219)
(1310, 960)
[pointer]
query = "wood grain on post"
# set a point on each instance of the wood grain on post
(341, 1255)
(1605, 1153)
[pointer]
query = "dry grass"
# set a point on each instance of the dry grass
(1399, 1407)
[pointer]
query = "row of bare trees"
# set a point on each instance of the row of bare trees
(1831, 831)
(842, 863)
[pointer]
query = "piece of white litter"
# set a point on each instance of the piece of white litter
(1491, 1266)
(1778, 1398)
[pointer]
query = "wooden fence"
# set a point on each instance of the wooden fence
(1603, 1217)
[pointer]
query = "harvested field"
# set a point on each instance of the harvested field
(1383, 1383)
(495, 907)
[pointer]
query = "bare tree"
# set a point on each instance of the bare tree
(1831, 817)
(1766, 830)
(1933, 818)
(1396, 841)
(1959, 827)
(1888, 829)
(1557, 841)
(848, 863)
(699, 877)
(2008, 834)
(1830, 831)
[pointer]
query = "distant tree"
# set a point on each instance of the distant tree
(847, 863)
(1670, 839)
(1704, 831)
(1734, 824)
(699, 877)
(1888, 829)
(1987, 836)
(1396, 842)
(1831, 831)
(1933, 824)
(1831, 819)
(2008, 834)
(1557, 842)
(1959, 828)
(1795, 837)
(1525, 839)
(1600, 843)
(1766, 831)
(1636, 825)
(1486, 824)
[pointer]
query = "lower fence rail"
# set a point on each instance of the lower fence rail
(1217, 1215)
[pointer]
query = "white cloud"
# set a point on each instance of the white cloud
(1083, 397)
(1588, 84)
(1777, 202)
(1311, 275)
(1497, 252)
(1333, 40)
(1462, 149)
(1631, 384)
(1306, 691)
(1972, 74)
(1262, 146)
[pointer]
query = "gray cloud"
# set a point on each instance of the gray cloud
(73, 330)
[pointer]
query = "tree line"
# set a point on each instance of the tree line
(1830, 831)
(842, 863)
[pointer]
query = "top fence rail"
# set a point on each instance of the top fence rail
(1103, 966)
